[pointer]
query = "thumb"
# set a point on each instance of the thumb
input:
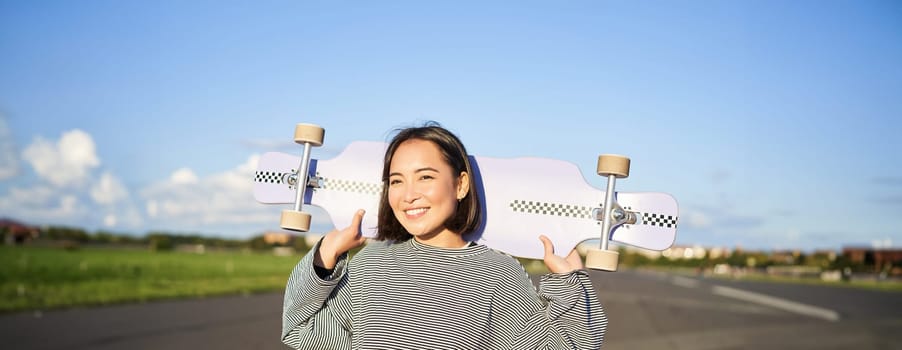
(549, 247)
(358, 219)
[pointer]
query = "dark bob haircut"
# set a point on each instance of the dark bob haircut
(468, 216)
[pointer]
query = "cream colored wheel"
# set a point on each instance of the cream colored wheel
(295, 220)
(612, 164)
(606, 260)
(309, 133)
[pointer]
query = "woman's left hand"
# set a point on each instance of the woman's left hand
(558, 264)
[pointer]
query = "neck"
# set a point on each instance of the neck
(444, 239)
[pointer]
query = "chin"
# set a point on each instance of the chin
(422, 233)
(418, 233)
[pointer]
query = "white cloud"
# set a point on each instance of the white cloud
(69, 192)
(698, 219)
(153, 209)
(27, 197)
(109, 220)
(9, 163)
(41, 204)
(124, 214)
(882, 243)
(183, 176)
(46, 204)
(115, 201)
(224, 199)
(68, 204)
(108, 190)
(66, 162)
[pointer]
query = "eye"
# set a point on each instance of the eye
(393, 182)
(426, 177)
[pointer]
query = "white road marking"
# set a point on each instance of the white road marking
(684, 282)
(783, 304)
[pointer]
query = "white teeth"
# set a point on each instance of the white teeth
(415, 211)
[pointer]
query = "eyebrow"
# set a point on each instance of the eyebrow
(417, 171)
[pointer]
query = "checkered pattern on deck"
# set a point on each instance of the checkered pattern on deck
(557, 209)
(352, 186)
(270, 177)
(581, 212)
(668, 221)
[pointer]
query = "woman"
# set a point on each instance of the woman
(421, 285)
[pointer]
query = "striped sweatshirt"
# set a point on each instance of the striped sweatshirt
(409, 295)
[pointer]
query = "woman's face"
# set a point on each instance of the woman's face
(423, 189)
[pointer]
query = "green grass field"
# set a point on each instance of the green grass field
(43, 278)
(34, 278)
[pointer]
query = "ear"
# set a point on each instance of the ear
(463, 185)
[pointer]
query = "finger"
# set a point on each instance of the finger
(549, 247)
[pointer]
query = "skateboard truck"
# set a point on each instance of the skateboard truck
(308, 135)
(619, 216)
(613, 167)
(292, 180)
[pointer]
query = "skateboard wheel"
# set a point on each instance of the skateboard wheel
(612, 164)
(309, 133)
(295, 220)
(598, 259)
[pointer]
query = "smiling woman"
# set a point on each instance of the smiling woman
(422, 285)
(427, 172)
(424, 192)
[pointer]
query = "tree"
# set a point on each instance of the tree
(300, 244)
(257, 243)
(160, 242)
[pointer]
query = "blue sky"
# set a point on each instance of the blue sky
(775, 124)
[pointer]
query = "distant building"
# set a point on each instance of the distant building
(829, 255)
(676, 252)
(679, 252)
(278, 238)
(880, 258)
(15, 232)
(719, 252)
(785, 257)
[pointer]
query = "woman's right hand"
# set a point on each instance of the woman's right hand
(337, 242)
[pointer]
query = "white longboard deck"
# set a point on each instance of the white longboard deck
(522, 198)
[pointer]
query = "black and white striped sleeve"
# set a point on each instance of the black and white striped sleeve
(564, 314)
(317, 311)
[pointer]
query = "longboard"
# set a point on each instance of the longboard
(522, 198)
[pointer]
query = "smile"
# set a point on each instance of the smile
(415, 212)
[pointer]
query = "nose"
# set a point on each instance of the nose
(411, 193)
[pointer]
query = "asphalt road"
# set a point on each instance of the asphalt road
(646, 311)
(658, 311)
